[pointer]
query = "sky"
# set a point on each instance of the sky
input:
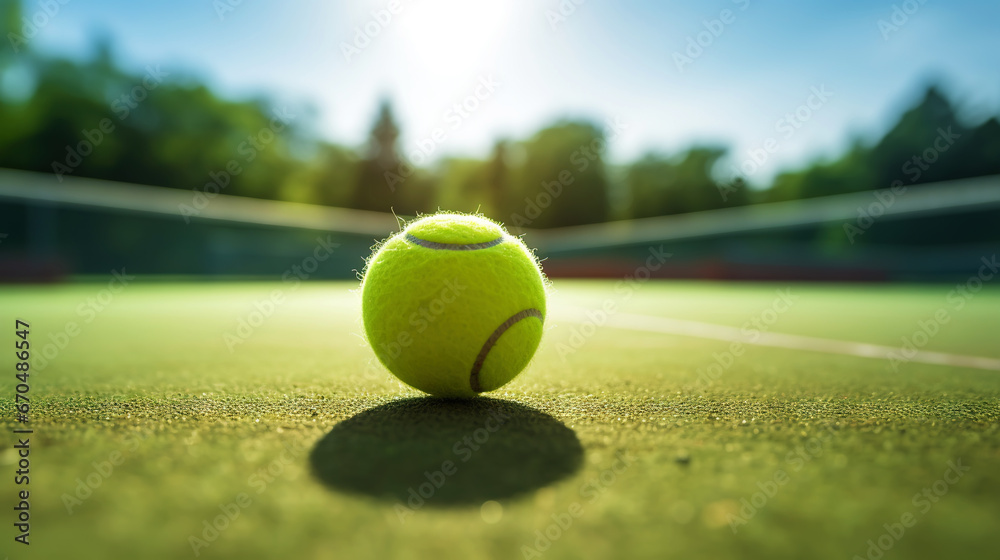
(802, 78)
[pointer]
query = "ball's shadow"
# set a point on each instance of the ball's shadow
(447, 452)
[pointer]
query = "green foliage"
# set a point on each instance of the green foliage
(92, 119)
(461, 185)
(661, 185)
(560, 177)
(10, 20)
(928, 143)
(329, 178)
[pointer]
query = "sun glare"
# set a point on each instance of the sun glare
(443, 34)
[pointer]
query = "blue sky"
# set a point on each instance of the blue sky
(604, 60)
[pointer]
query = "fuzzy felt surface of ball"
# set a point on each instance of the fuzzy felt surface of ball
(453, 305)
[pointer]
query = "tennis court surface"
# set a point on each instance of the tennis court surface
(658, 418)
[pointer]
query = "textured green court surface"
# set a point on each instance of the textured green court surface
(162, 414)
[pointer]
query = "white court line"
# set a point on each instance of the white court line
(647, 323)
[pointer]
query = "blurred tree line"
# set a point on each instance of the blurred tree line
(92, 119)
(928, 143)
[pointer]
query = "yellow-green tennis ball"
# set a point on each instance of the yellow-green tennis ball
(453, 305)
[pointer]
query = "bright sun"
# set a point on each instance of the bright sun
(443, 34)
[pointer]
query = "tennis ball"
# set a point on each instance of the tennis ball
(453, 305)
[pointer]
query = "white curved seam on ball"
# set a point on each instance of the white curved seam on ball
(453, 246)
(492, 340)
